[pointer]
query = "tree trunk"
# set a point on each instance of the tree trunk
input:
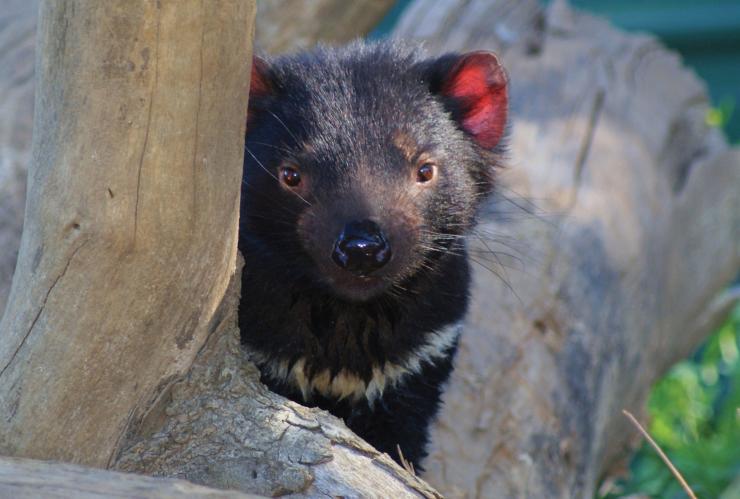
(613, 238)
(130, 227)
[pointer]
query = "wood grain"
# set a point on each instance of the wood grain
(130, 230)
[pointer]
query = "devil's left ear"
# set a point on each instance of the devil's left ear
(473, 87)
(260, 83)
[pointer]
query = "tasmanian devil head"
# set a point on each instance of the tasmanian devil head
(364, 165)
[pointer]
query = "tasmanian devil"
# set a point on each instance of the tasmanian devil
(364, 168)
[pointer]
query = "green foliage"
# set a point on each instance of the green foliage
(695, 418)
(721, 115)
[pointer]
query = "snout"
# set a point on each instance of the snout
(361, 248)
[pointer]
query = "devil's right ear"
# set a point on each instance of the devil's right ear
(261, 87)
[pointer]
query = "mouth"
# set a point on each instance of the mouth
(357, 288)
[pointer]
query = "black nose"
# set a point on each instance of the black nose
(361, 248)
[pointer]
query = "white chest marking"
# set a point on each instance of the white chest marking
(347, 384)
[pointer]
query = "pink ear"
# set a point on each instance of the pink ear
(477, 83)
(258, 83)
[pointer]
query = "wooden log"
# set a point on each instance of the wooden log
(616, 230)
(130, 228)
(219, 426)
(30, 479)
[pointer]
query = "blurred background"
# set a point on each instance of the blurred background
(695, 409)
(705, 32)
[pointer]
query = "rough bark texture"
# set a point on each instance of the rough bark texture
(221, 427)
(130, 227)
(622, 211)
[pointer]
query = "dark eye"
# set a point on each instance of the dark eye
(425, 173)
(290, 176)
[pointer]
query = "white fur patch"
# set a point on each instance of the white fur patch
(347, 384)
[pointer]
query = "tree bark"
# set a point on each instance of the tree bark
(130, 227)
(221, 427)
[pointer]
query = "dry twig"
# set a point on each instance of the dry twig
(662, 455)
(406, 465)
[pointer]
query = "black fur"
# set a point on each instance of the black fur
(339, 115)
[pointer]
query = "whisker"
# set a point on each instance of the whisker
(284, 126)
(273, 146)
(501, 278)
(272, 174)
(276, 208)
(495, 255)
